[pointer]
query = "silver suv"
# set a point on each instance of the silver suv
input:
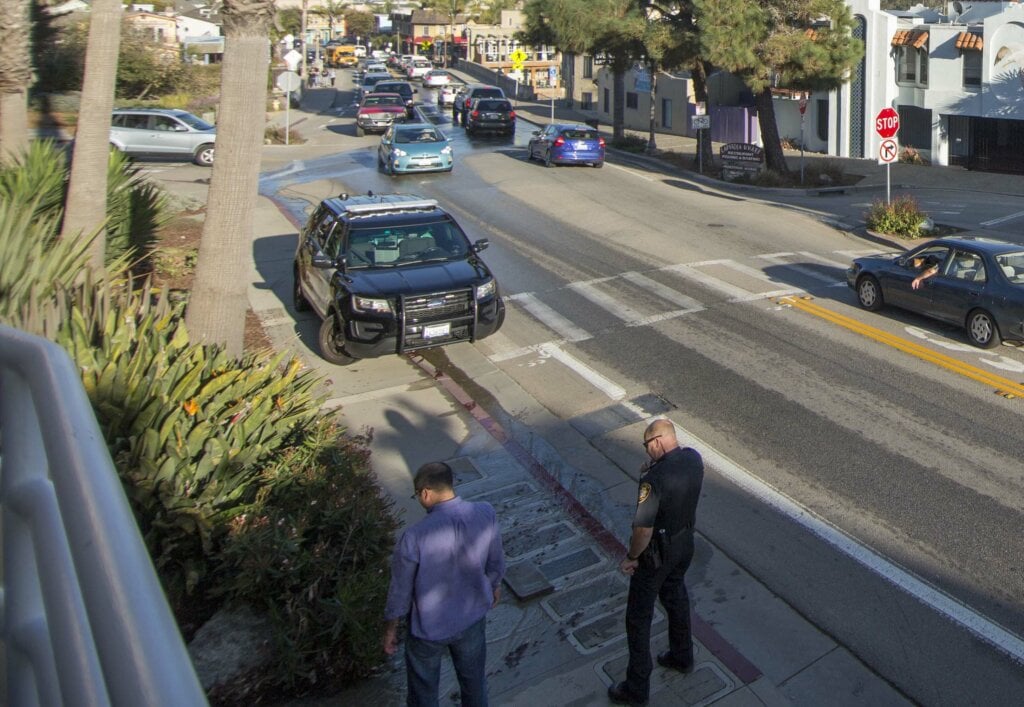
(163, 132)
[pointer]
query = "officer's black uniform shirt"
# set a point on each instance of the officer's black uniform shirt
(669, 491)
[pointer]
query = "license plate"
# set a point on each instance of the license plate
(491, 116)
(435, 330)
(425, 162)
(580, 145)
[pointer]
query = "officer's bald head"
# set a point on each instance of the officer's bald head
(662, 427)
(660, 438)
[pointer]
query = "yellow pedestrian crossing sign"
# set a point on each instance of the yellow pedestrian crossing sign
(517, 57)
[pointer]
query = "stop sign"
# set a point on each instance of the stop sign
(887, 122)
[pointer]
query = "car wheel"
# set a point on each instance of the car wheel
(982, 330)
(359, 131)
(204, 156)
(331, 342)
(869, 293)
(547, 159)
(299, 300)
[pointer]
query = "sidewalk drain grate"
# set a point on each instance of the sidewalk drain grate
(464, 470)
(526, 581)
(570, 601)
(568, 564)
(526, 540)
(507, 496)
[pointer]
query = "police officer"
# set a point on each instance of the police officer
(660, 550)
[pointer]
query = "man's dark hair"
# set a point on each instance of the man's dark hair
(436, 476)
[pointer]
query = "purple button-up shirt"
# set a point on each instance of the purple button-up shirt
(445, 569)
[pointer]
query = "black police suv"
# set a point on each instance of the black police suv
(391, 273)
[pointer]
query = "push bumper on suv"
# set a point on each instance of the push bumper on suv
(423, 321)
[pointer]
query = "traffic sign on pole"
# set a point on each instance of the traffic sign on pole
(887, 123)
(888, 151)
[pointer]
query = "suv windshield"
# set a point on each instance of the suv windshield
(492, 104)
(374, 100)
(193, 122)
(418, 135)
(410, 244)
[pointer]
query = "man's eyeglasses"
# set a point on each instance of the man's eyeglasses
(417, 494)
(648, 441)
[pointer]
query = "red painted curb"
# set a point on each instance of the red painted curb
(729, 656)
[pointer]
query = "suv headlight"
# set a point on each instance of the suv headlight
(397, 152)
(447, 150)
(369, 304)
(485, 290)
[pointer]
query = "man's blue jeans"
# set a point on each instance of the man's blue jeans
(469, 656)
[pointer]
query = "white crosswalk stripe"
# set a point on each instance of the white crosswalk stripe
(566, 330)
(780, 259)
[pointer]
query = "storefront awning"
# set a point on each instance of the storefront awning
(968, 41)
(915, 38)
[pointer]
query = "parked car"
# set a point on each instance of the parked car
(418, 68)
(415, 147)
(490, 115)
(370, 81)
(436, 78)
(562, 143)
(378, 112)
(979, 285)
(392, 273)
(402, 88)
(467, 93)
(163, 132)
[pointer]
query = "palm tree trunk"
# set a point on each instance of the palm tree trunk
(619, 104)
(216, 309)
(15, 77)
(774, 159)
(652, 145)
(700, 92)
(86, 208)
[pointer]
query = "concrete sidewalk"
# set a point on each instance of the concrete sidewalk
(558, 637)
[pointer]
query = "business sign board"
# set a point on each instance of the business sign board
(740, 159)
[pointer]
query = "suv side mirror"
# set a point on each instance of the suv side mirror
(321, 261)
(481, 245)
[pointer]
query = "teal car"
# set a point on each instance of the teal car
(415, 147)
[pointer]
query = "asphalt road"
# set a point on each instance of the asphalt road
(625, 284)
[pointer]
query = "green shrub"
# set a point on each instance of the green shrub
(39, 175)
(136, 209)
(313, 554)
(274, 135)
(900, 217)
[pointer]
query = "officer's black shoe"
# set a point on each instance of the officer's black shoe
(666, 660)
(618, 694)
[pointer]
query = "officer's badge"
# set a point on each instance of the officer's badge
(645, 491)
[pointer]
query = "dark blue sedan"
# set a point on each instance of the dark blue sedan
(976, 283)
(562, 143)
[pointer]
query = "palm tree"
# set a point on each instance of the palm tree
(333, 10)
(15, 77)
(84, 212)
(216, 309)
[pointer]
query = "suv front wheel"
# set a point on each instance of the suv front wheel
(204, 155)
(332, 342)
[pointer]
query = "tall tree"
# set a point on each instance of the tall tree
(803, 45)
(613, 29)
(85, 209)
(216, 309)
(15, 77)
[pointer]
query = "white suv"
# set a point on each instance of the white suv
(163, 133)
(418, 68)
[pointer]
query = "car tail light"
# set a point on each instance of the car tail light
(511, 115)
(559, 141)
(600, 141)
(475, 114)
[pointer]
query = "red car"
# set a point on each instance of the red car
(378, 111)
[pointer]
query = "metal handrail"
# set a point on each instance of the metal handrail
(83, 618)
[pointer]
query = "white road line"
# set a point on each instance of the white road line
(825, 261)
(933, 597)
(688, 304)
(860, 253)
(554, 321)
(690, 272)
(607, 302)
(1011, 217)
(797, 267)
(605, 385)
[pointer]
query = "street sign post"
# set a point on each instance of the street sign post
(552, 79)
(803, 109)
(700, 123)
(288, 81)
(887, 124)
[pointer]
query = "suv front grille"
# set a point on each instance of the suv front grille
(439, 306)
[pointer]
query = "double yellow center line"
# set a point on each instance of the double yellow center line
(1003, 386)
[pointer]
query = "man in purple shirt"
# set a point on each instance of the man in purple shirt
(446, 573)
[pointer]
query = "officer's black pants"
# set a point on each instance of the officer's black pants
(645, 586)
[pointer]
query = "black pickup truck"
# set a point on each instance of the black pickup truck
(392, 273)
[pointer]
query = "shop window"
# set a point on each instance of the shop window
(666, 113)
(631, 100)
(912, 66)
(588, 66)
(822, 119)
(587, 101)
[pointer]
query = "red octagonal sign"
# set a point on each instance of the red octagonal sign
(887, 122)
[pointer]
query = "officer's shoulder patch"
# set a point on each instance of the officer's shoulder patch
(645, 491)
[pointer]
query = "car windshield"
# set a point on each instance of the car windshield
(1012, 265)
(409, 244)
(493, 105)
(373, 100)
(418, 135)
(579, 134)
(487, 93)
(193, 122)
